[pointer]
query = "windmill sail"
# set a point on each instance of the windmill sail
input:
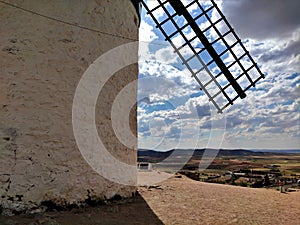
(208, 47)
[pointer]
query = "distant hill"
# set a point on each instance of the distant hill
(288, 151)
(155, 156)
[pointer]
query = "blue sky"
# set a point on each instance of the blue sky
(174, 113)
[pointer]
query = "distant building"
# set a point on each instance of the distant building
(144, 166)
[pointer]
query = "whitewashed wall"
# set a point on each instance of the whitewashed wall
(41, 63)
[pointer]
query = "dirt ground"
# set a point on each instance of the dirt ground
(181, 201)
(184, 201)
(131, 211)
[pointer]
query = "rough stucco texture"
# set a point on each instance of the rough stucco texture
(41, 64)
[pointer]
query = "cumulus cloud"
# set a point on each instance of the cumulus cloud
(267, 118)
(146, 32)
(190, 122)
(288, 50)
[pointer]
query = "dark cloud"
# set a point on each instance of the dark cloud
(290, 50)
(263, 19)
(203, 110)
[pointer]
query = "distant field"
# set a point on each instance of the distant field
(288, 164)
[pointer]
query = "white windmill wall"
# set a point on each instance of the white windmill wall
(41, 63)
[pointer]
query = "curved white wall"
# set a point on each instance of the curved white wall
(41, 63)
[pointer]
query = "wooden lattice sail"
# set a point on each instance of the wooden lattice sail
(208, 47)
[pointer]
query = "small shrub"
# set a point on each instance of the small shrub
(243, 184)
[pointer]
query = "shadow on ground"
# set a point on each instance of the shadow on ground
(132, 211)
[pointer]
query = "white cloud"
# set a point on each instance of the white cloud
(146, 33)
(267, 118)
(166, 55)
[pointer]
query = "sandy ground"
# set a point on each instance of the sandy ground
(184, 201)
(148, 178)
(180, 201)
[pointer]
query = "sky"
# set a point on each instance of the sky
(174, 113)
